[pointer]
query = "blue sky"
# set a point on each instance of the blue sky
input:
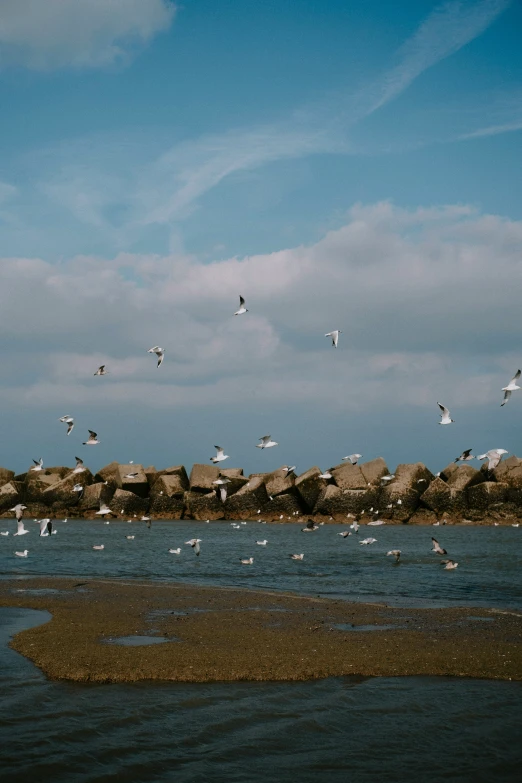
(342, 165)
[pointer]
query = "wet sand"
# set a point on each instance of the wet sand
(220, 634)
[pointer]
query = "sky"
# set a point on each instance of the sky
(352, 166)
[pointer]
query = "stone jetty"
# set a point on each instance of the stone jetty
(460, 494)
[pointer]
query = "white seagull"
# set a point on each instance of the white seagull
(355, 526)
(101, 370)
(129, 538)
(70, 423)
(325, 475)
(4, 533)
(220, 456)
(389, 477)
(266, 442)
(449, 564)
(396, 553)
(38, 465)
(344, 534)
(131, 475)
(247, 560)
(21, 531)
(445, 415)
(194, 543)
(46, 527)
(376, 522)
(175, 551)
(288, 469)
(79, 466)
(367, 541)
(22, 554)
(310, 527)
(437, 547)
(335, 336)
(512, 386)
(19, 511)
(99, 546)
(262, 543)
(242, 308)
(160, 353)
(465, 456)
(104, 510)
(493, 456)
(297, 557)
(93, 439)
(353, 458)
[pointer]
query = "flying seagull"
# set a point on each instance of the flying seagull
(194, 543)
(335, 336)
(353, 458)
(367, 541)
(19, 511)
(445, 416)
(493, 456)
(93, 439)
(46, 527)
(160, 353)
(101, 370)
(325, 475)
(70, 423)
(220, 456)
(266, 442)
(104, 510)
(344, 534)
(465, 456)
(310, 527)
(79, 466)
(288, 469)
(396, 553)
(437, 547)
(21, 531)
(38, 465)
(512, 386)
(242, 308)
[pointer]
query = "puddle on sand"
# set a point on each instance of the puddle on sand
(139, 641)
(350, 627)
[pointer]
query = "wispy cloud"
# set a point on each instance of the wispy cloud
(494, 130)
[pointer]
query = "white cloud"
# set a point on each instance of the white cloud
(46, 34)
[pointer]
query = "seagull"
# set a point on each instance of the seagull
(78, 488)
(325, 475)
(355, 526)
(242, 308)
(37, 465)
(353, 458)
(4, 533)
(288, 469)
(69, 421)
(437, 547)
(367, 541)
(310, 527)
(297, 557)
(220, 456)
(194, 543)
(22, 554)
(389, 477)
(160, 353)
(21, 531)
(262, 543)
(396, 553)
(131, 475)
(79, 466)
(512, 386)
(376, 522)
(175, 551)
(129, 538)
(465, 456)
(449, 564)
(46, 527)
(515, 524)
(445, 416)
(101, 370)
(344, 534)
(266, 442)
(104, 509)
(93, 439)
(99, 546)
(335, 336)
(493, 456)
(247, 560)
(19, 511)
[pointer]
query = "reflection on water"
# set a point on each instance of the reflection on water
(405, 730)
(490, 560)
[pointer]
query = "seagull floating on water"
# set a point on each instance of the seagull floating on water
(101, 370)
(266, 442)
(344, 534)
(297, 557)
(220, 456)
(449, 564)
(335, 336)
(22, 554)
(38, 465)
(92, 440)
(242, 308)
(353, 458)
(160, 353)
(194, 543)
(445, 415)
(511, 387)
(99, 546)
(437, 547)
(262, 543)
(175, 551)
(310, 527)
(247, 560)
(396, 553)
(376, 522)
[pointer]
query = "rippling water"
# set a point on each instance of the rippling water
(490, 559)
(349, 729)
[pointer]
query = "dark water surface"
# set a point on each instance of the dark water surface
(349, 729)
(490, 559)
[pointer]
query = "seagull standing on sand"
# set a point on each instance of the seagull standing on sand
(194, 543)
(396, 553)
(511, 387)
(38, 465)
(93, 439)
(445, 417)
(437, 547)
(266, 442)
(160, 353)
(335, 336)
(465, 456)
(242, 308)
(101, 370)
(220, 456)
(70, 423)
(353, 458)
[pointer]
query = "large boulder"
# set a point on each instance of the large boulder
(245, 503)
(204, 506)
(96, 494)
(127, 503)
(483, 496)
(279, 483)
(152, 474)
(443, 499)
(415, 476)
(108, 473)
(285, 505)
(510, 472)
(165, 507)
(337, 503)
(348, 476)
(10, 495)
(374, 470)
(6, 476)
(310, 486)
(232, 472)
(236, 483)
(464, 477)
(36, 483)
(137, 484)
(61, 495)
(171, 485)
(202, 477)
(398, 502)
